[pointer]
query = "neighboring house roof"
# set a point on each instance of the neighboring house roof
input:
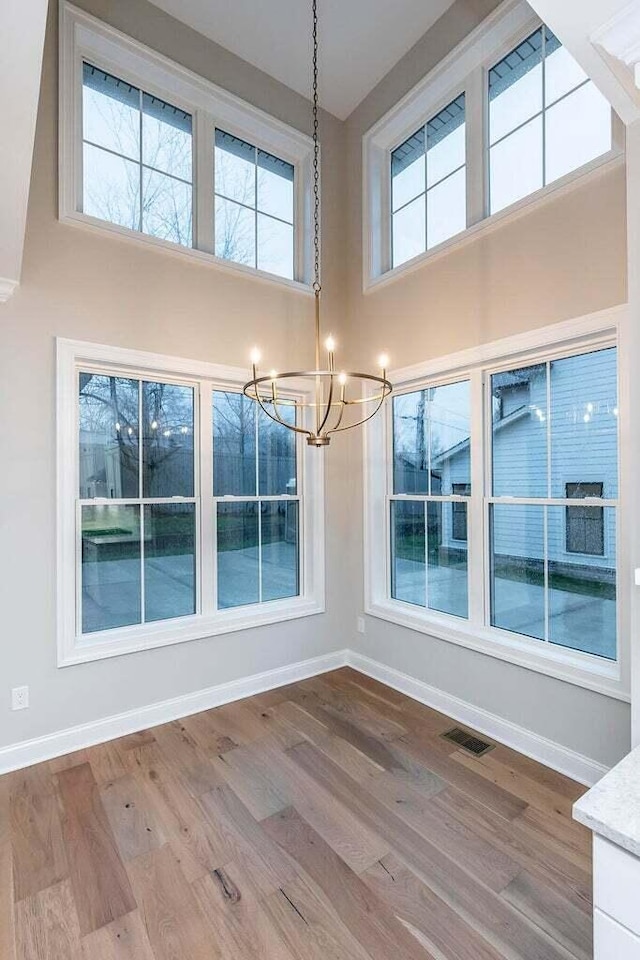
(498, 425)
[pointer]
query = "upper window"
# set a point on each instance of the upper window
(499, 120)
(254, 206)
(183, 507)
(136, 159)
(131, 128)
(546, 119)
(428, 184)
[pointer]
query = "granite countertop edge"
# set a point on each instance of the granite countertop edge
(611, 808)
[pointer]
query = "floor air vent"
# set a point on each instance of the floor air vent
(468, 741)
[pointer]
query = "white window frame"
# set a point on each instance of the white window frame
(463, 70)
(83, 37)
(595, 331)
(73, 647)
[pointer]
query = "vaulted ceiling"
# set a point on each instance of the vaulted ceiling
(360, 39)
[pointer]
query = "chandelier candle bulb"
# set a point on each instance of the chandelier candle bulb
(256, 356)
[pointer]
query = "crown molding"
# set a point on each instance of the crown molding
(620, 37)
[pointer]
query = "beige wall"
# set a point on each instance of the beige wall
(94, 287)
(563, 259)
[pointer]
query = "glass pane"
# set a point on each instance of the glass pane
(166, 138)
(446, 141)
(516, 166)
(108, 423)
(410, 455)
(234, 445)
(235, 166)
(408, 170)
(275, 247)
(279, 550)
(449, 410)
(169, 560)
(562, 72)
(110, 112)
(409, 231)
(111, 188)
(447, 580)
(238, 566)
(519, 449)
(517, 569)
(275, 186)
(111, 593)
(408, 555)
(582, 587)
(167, 208)
(515, 87)
(447, 209)
(235, 232)
(277, 453)
(167, 444)
(578, 129)
(584, 424)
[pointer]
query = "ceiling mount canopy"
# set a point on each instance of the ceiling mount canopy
(333, 401)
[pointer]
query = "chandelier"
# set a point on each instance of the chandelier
(332, 401)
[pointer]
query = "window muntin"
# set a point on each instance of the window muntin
(428, 184)
(254, 206)
(431, 475)
(257, 505)
(539, 586)
(137, 158)
(546, 119)
(137, 546)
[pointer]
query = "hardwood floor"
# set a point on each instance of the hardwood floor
(327, 820)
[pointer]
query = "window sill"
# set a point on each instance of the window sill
(115, 643)
(103, 227)
(591, 171)
(582, 670)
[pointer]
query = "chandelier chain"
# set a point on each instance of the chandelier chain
(316, 159)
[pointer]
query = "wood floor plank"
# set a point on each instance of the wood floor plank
(309, 925)
(325, 820)
(186, 759)
(175, 924)
(135, 827)
(552, 912)
(197, 841)
(265, 864)
(123, 939)
(39, 857)
(47, 925)
(368, 919)
(243, 929)
(100, 885)
(7, 923)
(414, 902)
(479, 906)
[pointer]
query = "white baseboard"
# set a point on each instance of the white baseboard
(552, 754)
(28, 752)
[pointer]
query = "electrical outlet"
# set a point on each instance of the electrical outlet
(20, 698)
(361, 625)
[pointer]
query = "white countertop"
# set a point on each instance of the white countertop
(612, 807)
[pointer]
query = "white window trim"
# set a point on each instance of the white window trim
(72, 648)
(82, 36)
(463, 69)
(601, 329)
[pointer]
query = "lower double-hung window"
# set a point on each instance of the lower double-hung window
(184, 509)
(501, 501)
